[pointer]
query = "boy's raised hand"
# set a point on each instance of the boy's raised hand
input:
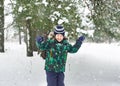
(39, 39)
(81, 39)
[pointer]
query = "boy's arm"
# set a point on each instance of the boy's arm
(41, 44)
(76, 46)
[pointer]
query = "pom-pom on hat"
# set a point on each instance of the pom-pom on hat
(59, 30)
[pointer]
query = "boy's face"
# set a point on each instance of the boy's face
(59, 37)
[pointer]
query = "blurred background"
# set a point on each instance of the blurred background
(98, 20)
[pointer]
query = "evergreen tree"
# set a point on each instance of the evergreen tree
(44, 15)
(106, 19)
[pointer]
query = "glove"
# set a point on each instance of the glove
(81, 39)
(39, 39)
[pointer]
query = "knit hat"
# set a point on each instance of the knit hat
(59, 30)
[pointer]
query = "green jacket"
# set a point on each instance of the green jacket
(57, 53)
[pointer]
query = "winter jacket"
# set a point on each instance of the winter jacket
(57, 53)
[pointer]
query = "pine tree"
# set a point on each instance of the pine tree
(106, 19)
(43, 16)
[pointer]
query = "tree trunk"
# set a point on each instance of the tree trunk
(20, 36)
(34, 41)
(1, 25)
(29, 39)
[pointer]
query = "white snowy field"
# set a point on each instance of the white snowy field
(93, 65)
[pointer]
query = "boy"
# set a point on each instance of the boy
(56, 55)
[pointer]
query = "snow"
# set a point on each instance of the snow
(20, 9)
(89, 32)
(18, 70)
(8, 9)
(54, 16)
(64, 19)
(29, 17)
(60, 21)
(37, 3)
(56, 13)
(67, 8)
(44, 2)
(93, 65)
(59, 6)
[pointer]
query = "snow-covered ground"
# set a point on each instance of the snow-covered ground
(93, 65)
